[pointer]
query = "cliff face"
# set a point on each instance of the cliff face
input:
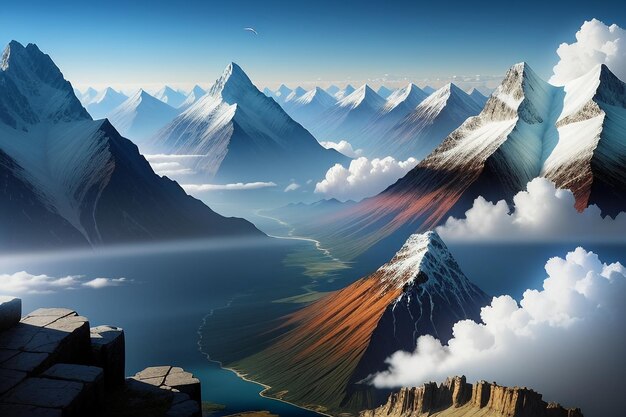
(456, 398)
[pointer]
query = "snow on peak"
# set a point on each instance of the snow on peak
(316, 95)
(411, 96)
(296, 94)
(283, 91)
(341, 94)
(363, 96)
(35, 89)
(425, 260)
(231, 84)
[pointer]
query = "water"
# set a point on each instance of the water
(171, 289)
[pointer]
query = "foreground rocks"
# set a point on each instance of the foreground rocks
(455, 397)
(53, 364)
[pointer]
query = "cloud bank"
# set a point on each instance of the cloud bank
(565, 341)
(596, 43)
(344, 147)
(291, 187)
(227, 187)
(25, 283)
(363, 178)
(542, 213)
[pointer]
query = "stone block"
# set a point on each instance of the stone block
(108, 352)
(91, 376)
(62, 395)
(9, 379)
(169, 377)
(10, 312)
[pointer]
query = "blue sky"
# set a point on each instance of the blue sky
(154, 42)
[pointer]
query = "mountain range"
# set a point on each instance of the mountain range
(68, 180)
(243, 135)
(572, 135)
(141, 116)
(100, 105)
(320, 355)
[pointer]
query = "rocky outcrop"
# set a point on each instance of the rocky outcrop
(53, 364)
(456, 397)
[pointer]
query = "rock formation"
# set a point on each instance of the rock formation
(53, 364)
(456, 398)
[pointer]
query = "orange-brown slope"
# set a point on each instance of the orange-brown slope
(312, 363)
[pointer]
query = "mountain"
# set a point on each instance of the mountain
(573, 135)
(268, 92)
(170, 96)
(295, 94)
(282, 93)
(455, 397)
(104, 102)
(384, 92)
(244, 135)
(345, 92)
(428, 89)
(70, 181)
(86, 97)
(193, 96)
(308, 107)
(478, 97)
(435, 117)
(332, 89)
(141, 116)
(321, 353)
(348, 117)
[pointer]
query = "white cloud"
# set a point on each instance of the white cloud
(363, 178)
(565, 341)
(543, 213)
(161, 157)
(229, 187)
(596, 43)
(105, 282)
(170, 168)
(344, 147)
(26, 283)
(292, 187)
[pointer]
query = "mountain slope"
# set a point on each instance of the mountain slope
(194, 95)
(71, 181)
(104, 102)
(307, 108)
(141, 116)
(170, 96)
(328, 347)
(587, 151)
(478, 97)
(345, 92)
(384, 92)
(348, 117)
(244, 135)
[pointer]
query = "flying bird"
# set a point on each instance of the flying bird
(251, 30)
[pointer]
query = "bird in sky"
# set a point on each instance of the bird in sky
(251, 30)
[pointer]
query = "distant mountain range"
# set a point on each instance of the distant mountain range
(322, 352)
(68, 180)
(244, 136)
(572, 135)
(382, 126)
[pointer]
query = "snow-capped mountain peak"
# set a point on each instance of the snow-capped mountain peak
(421, 254)
(341, 94)
(283, 91)
(318, 95)
(363, 96)
(233, 82)
(33, 89)
(384, 92)
(477, 96)
(170, 96)
(295, 94)
(411, 96)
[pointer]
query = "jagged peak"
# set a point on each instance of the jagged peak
(410, 94)
(232, 82)
(362, 95)
(409, 261)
